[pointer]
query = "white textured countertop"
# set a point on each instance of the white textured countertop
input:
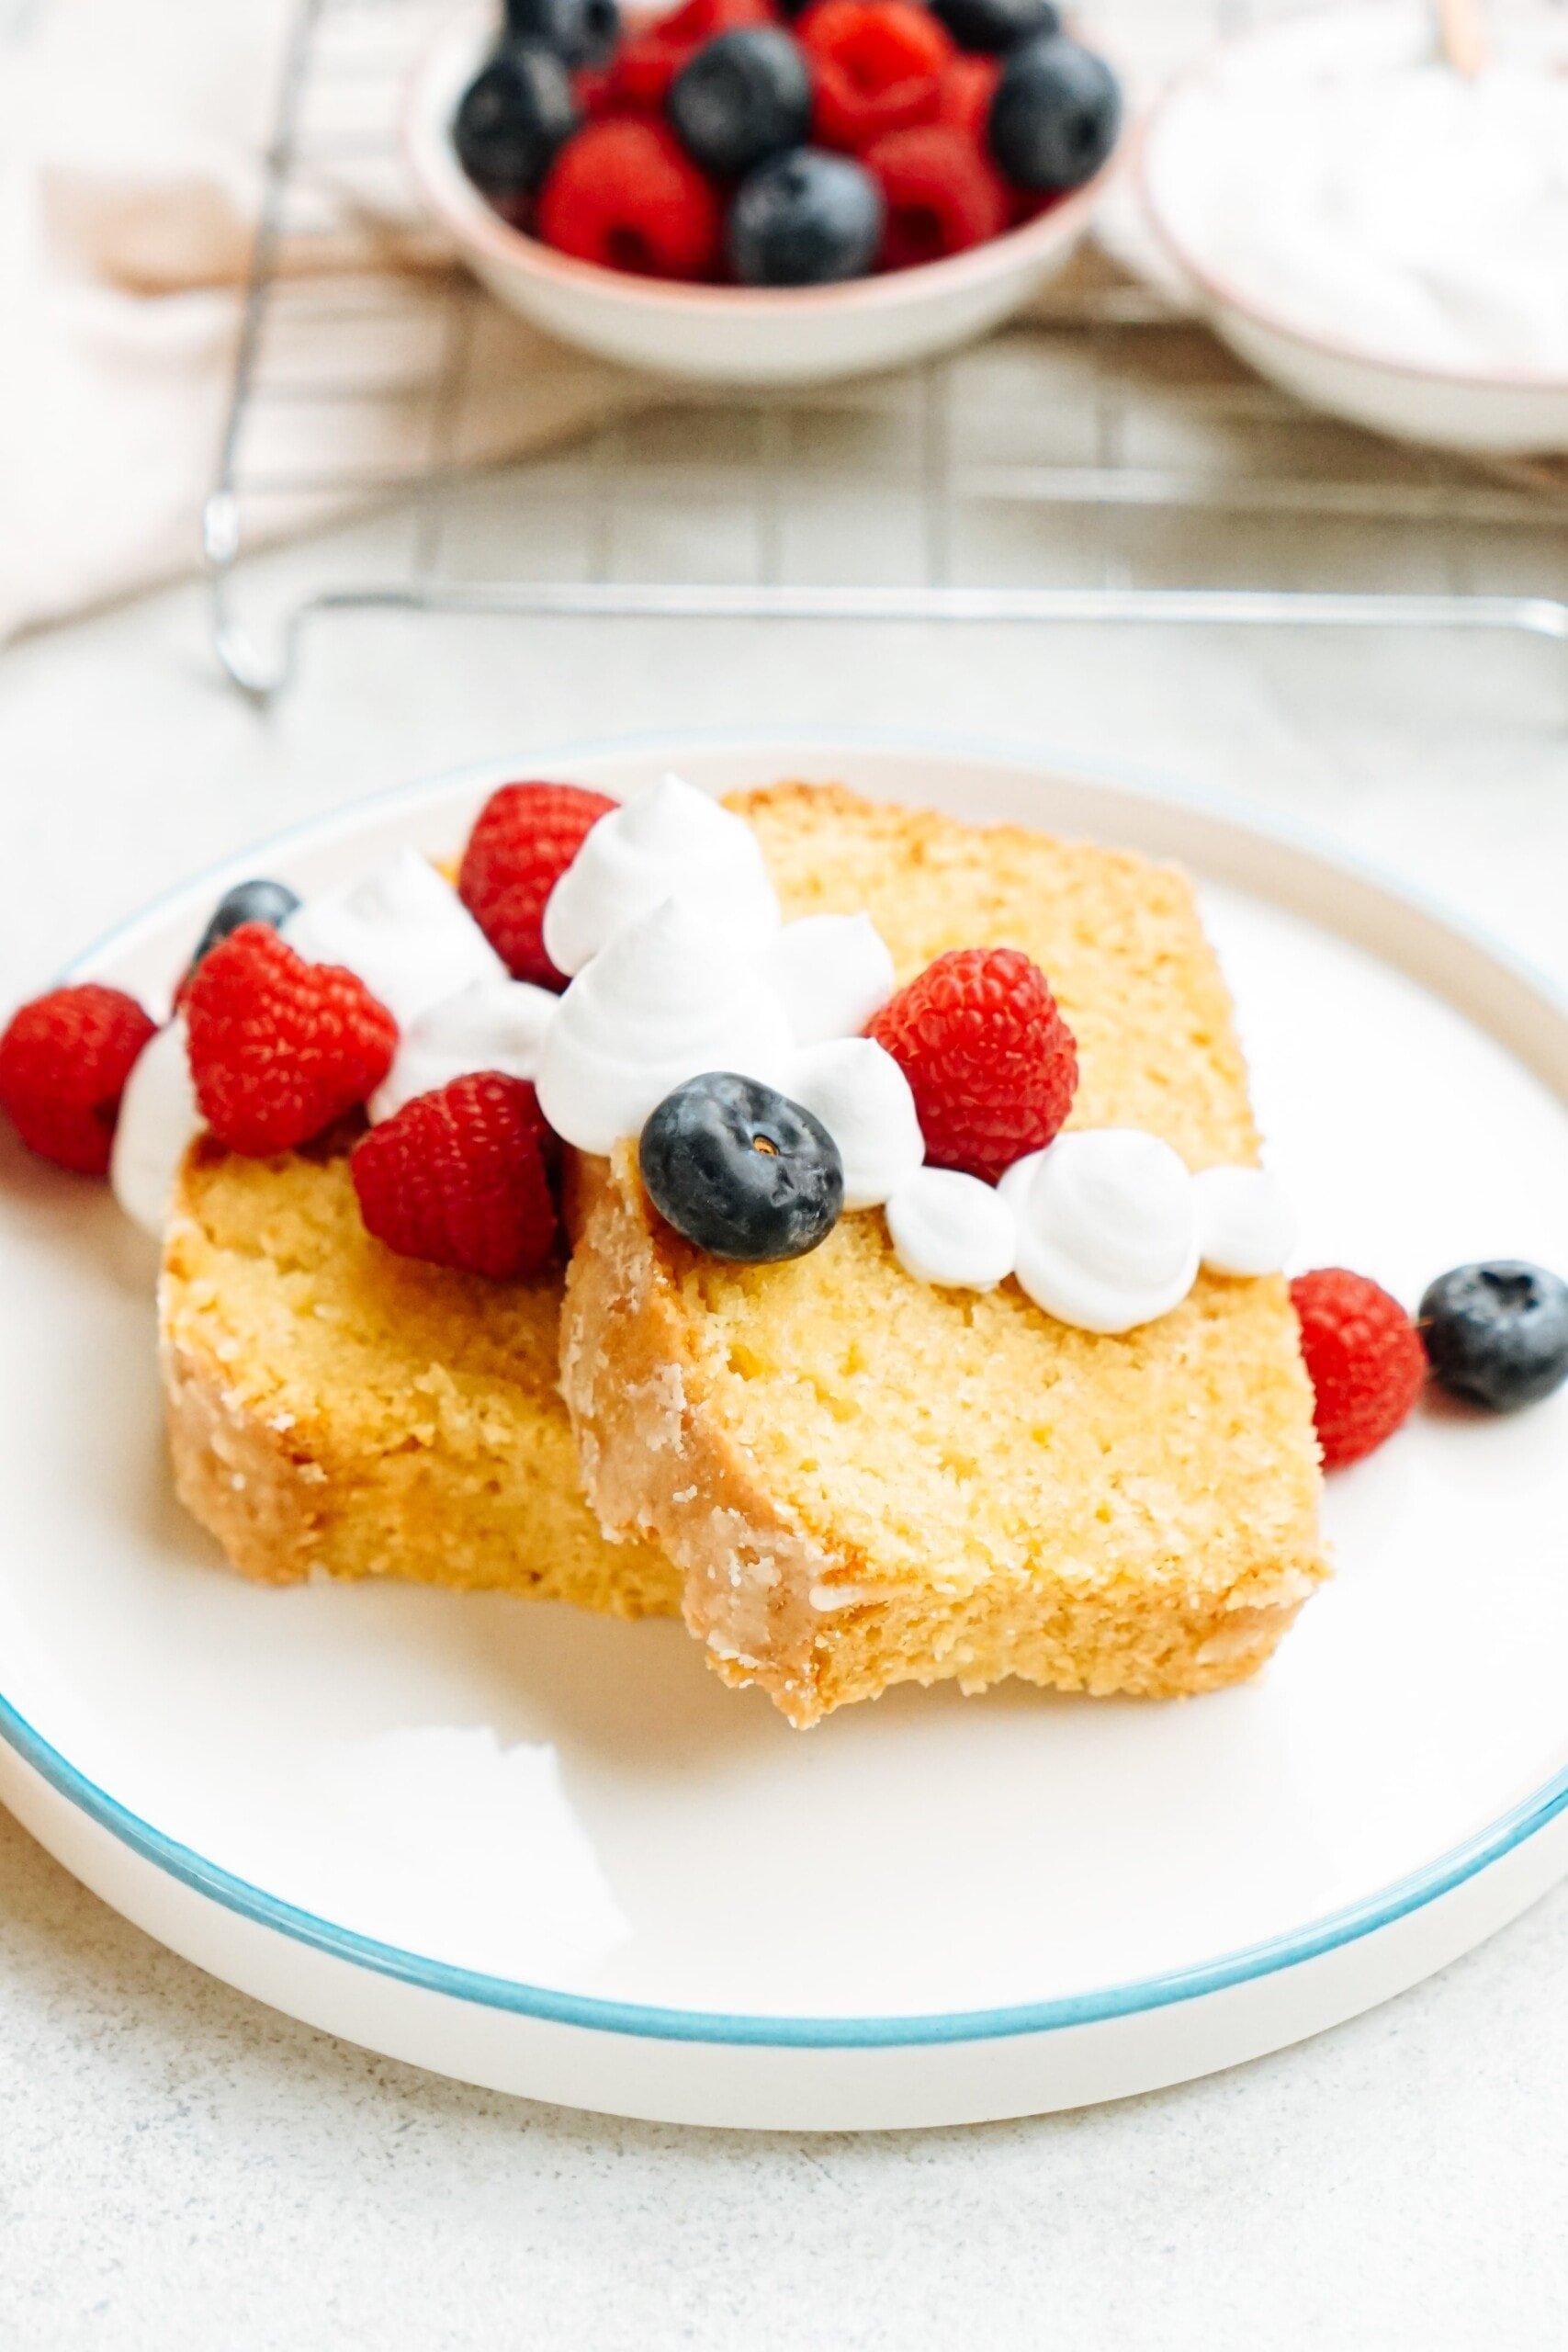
(179, 2167)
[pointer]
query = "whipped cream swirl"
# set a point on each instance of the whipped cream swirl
(159, 1119)
(953, 1230)
(862, 1098)
(833, 972)
(1107, 1229)
(668, 842)
(1246, 1224)
(490, 1024)
(403, 930)
(667, 1000)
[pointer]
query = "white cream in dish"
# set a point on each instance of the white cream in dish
(1374, 197)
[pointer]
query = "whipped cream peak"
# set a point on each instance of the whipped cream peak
(666, 1000)
(1107, 1229)
(953, 1230)
(490, 1024)
(670, 841)
(833, 972)
(403, 930)
(1245, 1223)
(159, 1119)
(863, 1099)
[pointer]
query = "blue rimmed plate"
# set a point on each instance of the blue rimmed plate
(552, 1855)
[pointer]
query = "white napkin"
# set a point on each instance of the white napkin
(130, 137)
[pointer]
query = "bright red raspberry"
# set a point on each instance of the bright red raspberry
(876, 66)
(524, 839)
(280, 1049)
(648, 61)
(991, 1062)
(964, 92)
(941, 194)
(460, 1176)
(64, 1059)
(626, 194)
(1364, 1357)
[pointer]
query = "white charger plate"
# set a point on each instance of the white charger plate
(552, 1855)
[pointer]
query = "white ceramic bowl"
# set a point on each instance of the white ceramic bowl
(723, 335)
(1496, 410)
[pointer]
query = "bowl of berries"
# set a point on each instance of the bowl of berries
(754, 192)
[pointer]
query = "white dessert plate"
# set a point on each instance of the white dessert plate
(1486, 408)
(553, 1855)
(724, 335)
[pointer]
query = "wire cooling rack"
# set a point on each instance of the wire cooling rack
(1105, 461)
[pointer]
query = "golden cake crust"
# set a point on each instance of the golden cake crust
(335, 1410)
(1174, 1497)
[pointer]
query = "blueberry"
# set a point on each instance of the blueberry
(743, 98)
(1497, 1334)
(511, 119)
(997, 24)
(581, 32)
(1056, 114)
(805, 219)
(740, 1170)
(260, 902)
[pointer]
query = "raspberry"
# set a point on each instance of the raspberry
(64, 1059)
(593, 87)
(1364, 1357)
(990, 1061)
(964, 96)
(625, 195)
(280, 1049)
(941, 193)
(524, 839)
(876, 66)
(460, 1176)
(648, 62)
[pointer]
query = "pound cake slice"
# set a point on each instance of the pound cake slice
(335, 1409)
(864, 1479)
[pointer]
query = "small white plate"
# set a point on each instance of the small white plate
(724, 335)
(1496, 411)
(553, 1855)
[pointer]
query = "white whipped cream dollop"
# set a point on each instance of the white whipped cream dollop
(490, 1024)
(159, 1119)
(952, 1230)
(1245, 1225)
(1360, 189)
(862, 1098)
(833, 972)
(1107, 1229)
(668, 999)
(670, 841)
(401, 929)
(1014, 1183)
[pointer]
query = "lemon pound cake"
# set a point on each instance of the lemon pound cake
(885, 1460)
(335, 1409)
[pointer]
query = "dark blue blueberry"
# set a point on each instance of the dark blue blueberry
(581, 32)
(997, 24)
(260, 902)
(1497, 1334)
(741, 1171)
(511, 119)
(1055, 115)
(743, 98)
(805, 219)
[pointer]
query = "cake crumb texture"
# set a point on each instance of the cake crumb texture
(337, 1410)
